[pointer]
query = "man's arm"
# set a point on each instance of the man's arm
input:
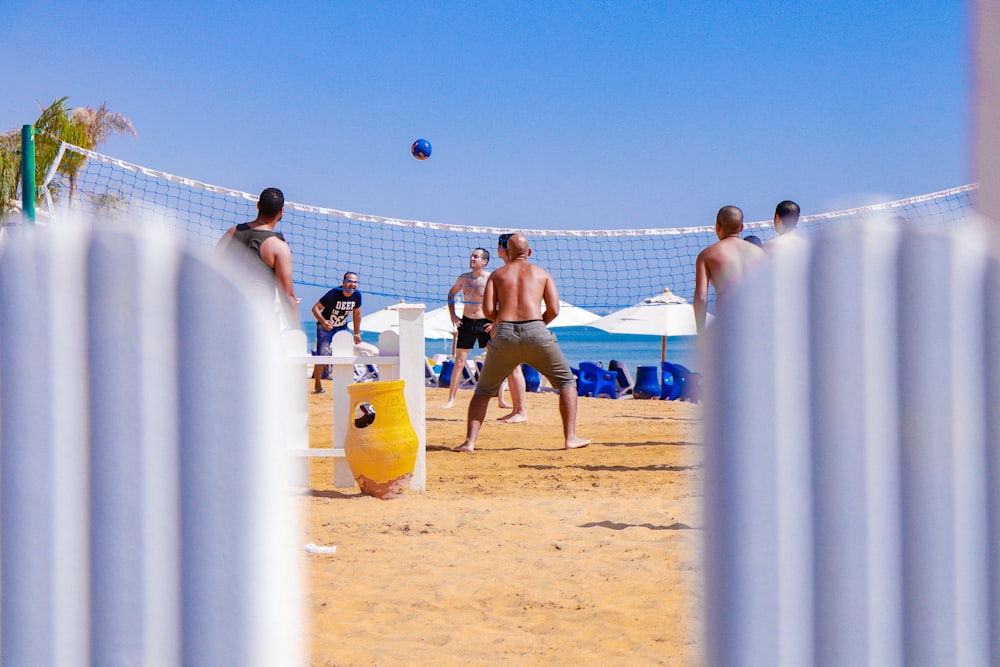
(317, 311)
(455, 289)
(489, 300)
(357, 324)
(550, 296)
(701, 281)
(278, 256)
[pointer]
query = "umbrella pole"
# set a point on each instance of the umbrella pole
(663, 349)
(454, 344)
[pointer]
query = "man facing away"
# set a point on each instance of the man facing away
(473, 326)
(723, 263)
(331, 313)
(516, 383)
(264, 253)
(786, 220)
(512, 298)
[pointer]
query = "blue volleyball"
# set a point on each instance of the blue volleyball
(421, 149)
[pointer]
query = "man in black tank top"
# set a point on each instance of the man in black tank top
(264, 253)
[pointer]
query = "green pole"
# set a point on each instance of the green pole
(28, 174)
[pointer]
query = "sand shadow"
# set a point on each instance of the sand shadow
(330, 493)
(649, 443)
(615, 525)
(437, 448)
(656, 467)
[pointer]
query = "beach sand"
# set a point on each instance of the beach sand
(521, 553)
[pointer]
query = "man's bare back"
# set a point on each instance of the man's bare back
(514, 292)
(723, 263)
(727, 260)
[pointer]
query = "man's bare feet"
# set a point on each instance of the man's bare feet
(465, 448)
(449, 404)
(577, 443)
(504, 404)
(514, 418)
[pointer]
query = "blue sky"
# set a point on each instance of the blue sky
(563, 115)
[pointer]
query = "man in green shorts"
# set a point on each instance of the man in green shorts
(513, 299)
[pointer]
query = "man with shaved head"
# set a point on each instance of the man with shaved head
(723, 263)
(513, 300)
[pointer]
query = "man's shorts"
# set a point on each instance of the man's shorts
(472, 331)
(516, 343)
(323, 339)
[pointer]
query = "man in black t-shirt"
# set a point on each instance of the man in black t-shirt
(332, 312)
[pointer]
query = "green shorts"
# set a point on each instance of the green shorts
(516, 343)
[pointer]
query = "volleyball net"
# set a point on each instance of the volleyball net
(418, 261)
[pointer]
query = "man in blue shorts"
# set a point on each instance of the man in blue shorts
(331, 313)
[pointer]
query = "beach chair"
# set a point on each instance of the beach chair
(470, 374)
(625, 382)
(671, 380)
(690, 384)
(532, 379)
(430, 376)
(365, 372)
(647, 384)
(596, 381)
(447, 368)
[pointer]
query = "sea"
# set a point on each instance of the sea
(581, 344)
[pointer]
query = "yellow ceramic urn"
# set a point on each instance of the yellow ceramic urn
(381, 445)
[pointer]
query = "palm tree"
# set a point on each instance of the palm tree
(83, 126)
(101, 124)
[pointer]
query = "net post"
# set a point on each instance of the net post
(28, 174)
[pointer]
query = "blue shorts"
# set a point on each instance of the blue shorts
(516, 343)
(323, 339)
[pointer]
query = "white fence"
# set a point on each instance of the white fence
(144, 513)
(401, 357)
(852, 435)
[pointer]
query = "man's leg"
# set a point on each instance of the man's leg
(474, 422)
(317, 376)
(518, 396)
(323, 340)
(456, 375)
(567, 410)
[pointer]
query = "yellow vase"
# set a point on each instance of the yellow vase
(381, 445)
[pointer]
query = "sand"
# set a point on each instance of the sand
(521, 553)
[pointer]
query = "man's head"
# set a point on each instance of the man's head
(786, 216)
(480, 257)
(728, 221)
(502, 244)
(270, 203)
(350, 283)
(517, 246)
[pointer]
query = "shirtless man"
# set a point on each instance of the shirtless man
(264, 252)
(515, 382)
(786, 221)
(513, 298)
(472, 326)
(722, 264)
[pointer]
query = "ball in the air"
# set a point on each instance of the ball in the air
(421, 149)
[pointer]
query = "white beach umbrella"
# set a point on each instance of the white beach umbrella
(665, 314)
(437, 322)
(572, 316)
